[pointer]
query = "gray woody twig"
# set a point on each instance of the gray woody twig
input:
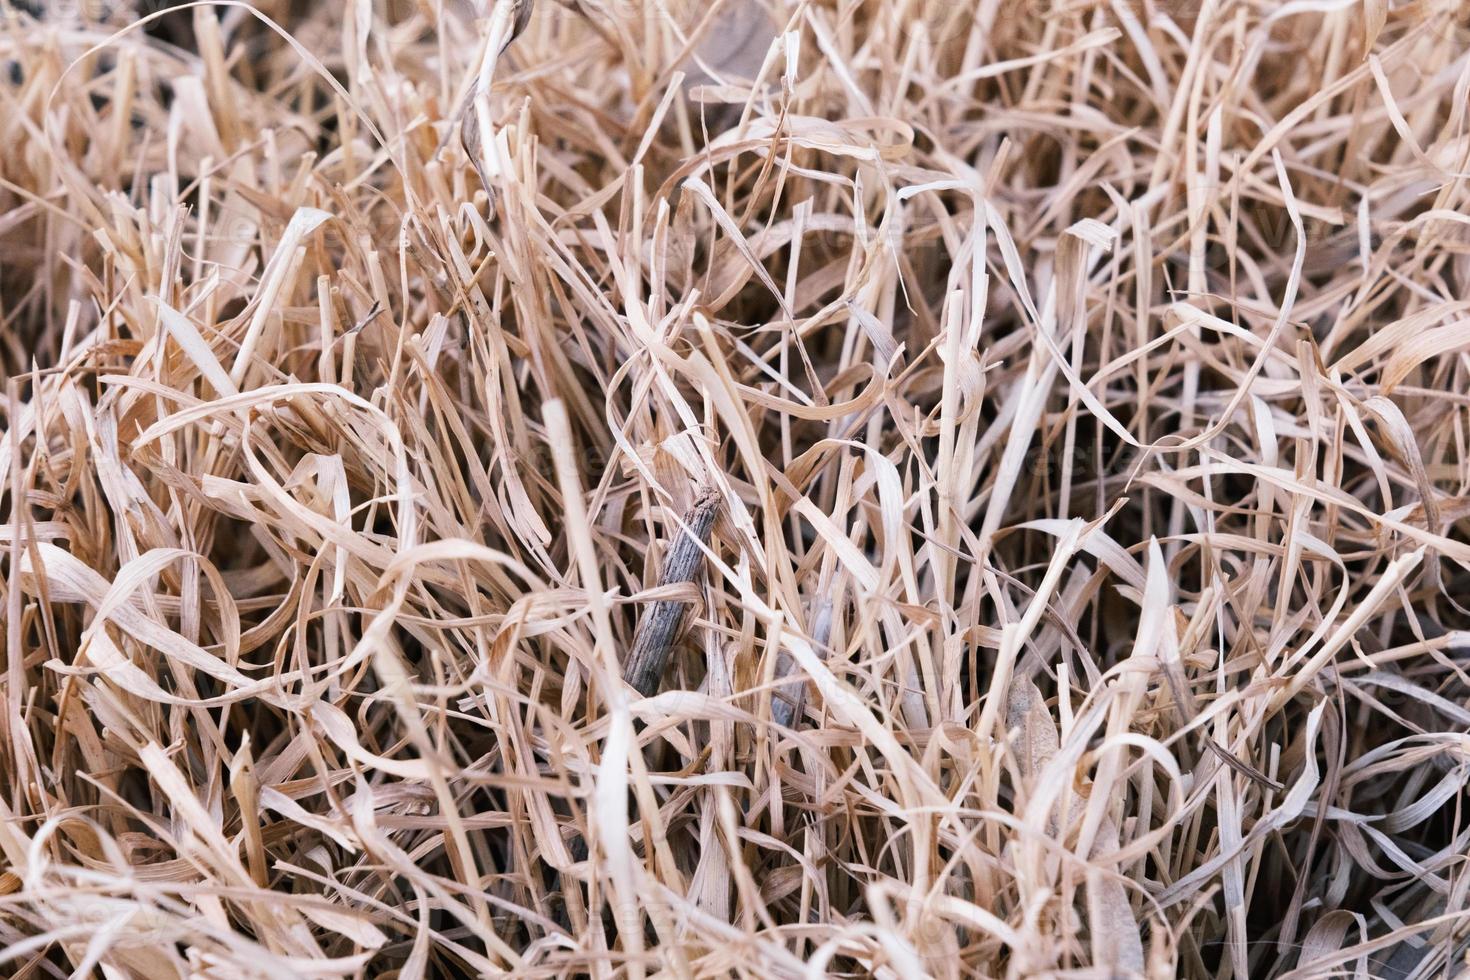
(659, 627)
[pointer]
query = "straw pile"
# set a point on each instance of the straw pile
(879, 487)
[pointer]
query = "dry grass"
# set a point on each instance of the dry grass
(1057, 412)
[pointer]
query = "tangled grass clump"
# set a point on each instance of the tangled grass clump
(771, 487)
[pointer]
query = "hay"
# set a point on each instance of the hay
(1056, 413)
